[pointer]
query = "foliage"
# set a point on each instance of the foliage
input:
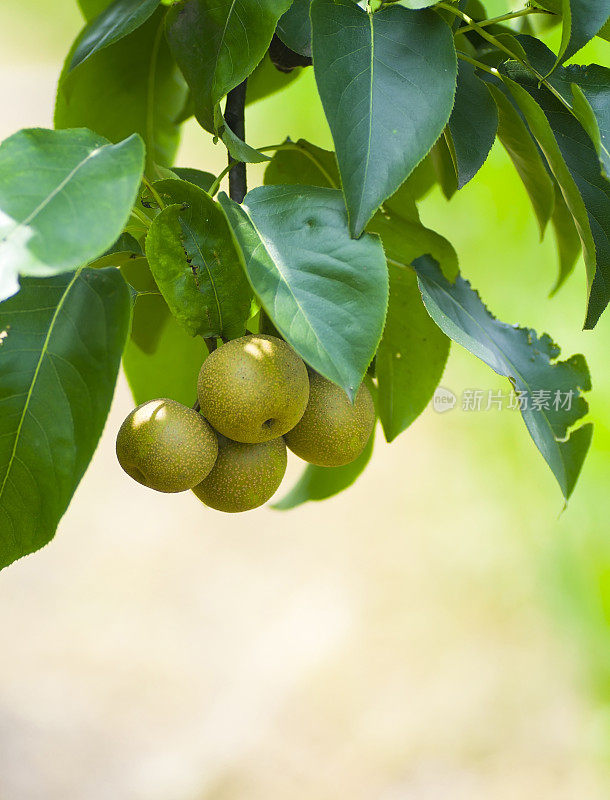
(108, 251)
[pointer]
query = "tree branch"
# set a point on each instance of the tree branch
(235, 118)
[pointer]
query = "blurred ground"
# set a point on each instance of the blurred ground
(438, 631)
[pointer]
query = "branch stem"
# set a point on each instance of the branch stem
(235, 118)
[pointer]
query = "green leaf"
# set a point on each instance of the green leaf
(55, 187)
(521, 147)
(294, 27)
(203, 180)
(218, 44)
(133, 86)
(325, 293)
(387, 84)
(320, 483)
(406, 239)
(473, 124)
(528, 361)
(91, 8)
(61, 347)
(569, 246)
(573, 160)
(197, 263)
(582, 20)
(118, 20)
(444, 167)
(161, 359)
(411, 356)
(305, 164)
(238, 150)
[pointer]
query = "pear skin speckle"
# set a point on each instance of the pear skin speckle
(166, 446)
(244, 476)
(253, 389)
(332, 432)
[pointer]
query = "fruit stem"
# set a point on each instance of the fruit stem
(235, 118)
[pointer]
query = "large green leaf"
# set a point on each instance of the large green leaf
(473, 124)
(61, 347)
(197, 263)
(325, 293)
(387, 83)
(64, 199)
(411, 356)
(294, 27)
(521, 147)
(552, 389)
(133, 86)
(118, 20)
(218, 43)
(320, 483)
(161, 359)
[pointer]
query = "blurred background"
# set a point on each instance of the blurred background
(440, 630)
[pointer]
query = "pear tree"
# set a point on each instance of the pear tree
(302, 312)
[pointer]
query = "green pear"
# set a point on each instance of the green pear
(166, 446)
(253, 389)
(332, 432)
(244, 476)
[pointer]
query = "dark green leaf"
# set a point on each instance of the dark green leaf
(387, 83)
(521, 147)
(320, 483)
(118, 20)
(569, 247)
(571, 156)
(529, 362)
(218, 44)
(411, 356)
(294, 27)
(161, 359)
(61, 347)
(326, 293)
(444, 167)
(473, 124)
(582, 20)
(133, 86)
(54, 186)
(197, 263)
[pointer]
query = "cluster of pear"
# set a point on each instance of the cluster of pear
(256, 397)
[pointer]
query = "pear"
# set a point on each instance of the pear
(244, 476)
(332, 432)
(253, 389)
(166, 446)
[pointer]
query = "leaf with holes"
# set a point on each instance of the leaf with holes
(325, 293)
(55, 392)
(196, 262)
(552, 389)
(53, 186)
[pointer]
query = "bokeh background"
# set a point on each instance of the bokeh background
(440, 630)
